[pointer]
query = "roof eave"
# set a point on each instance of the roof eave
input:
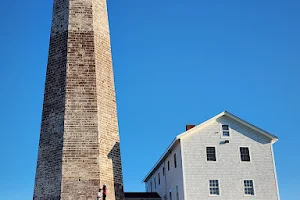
(161, 159)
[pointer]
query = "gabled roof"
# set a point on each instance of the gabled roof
(272, 138)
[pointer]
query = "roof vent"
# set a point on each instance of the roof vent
(189, 126)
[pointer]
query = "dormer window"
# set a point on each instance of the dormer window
(225, 131)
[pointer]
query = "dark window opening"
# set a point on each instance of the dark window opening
(175, 161)
(214, 187)
(248, 186)
(211, 153)
(245, 155)
(158, 178)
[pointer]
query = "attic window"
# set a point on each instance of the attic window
(225, 131)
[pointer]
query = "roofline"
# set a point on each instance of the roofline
(272, 137)
(255, 128)
(160, 159)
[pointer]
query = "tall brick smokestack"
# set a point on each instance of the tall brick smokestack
(79, 147)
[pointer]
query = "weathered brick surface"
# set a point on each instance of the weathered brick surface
(79, 145)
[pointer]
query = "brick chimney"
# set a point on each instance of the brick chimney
(189, 126)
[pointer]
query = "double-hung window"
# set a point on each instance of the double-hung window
(245, 154)
(214, 187)
(248, 187)
(225, 131)
(211, 154)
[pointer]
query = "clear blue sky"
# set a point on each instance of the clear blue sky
(176, 62)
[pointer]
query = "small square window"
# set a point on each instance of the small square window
(245, 155)
(211, 153)
(225, 131)
(214, 187)
(249, 188)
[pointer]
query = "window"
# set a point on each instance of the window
(211, 153)
(154, 182)
(177, 194)
(175, 161)
(170, 195)
(150, 186)
(214, 187)
(225, 130)
(164, 173)
(249, 189)
(168, 165)
(245, 155)
(158, 178)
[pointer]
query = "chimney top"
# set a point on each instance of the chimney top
(189, 126)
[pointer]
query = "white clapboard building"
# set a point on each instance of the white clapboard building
(224, 157)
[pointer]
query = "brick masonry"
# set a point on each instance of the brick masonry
(79, 147)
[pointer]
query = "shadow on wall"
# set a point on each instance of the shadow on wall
(115, 156)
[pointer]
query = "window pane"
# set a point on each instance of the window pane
(226, 133)
(175, 161)
(214, 187)
(225, 127)
(158, 178)
(248, 186)
(211, 153)
(245, 156)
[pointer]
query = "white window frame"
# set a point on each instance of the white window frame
(229, 129)
(216, 152)
(248, 195)
(219, 187)
(240, 158)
